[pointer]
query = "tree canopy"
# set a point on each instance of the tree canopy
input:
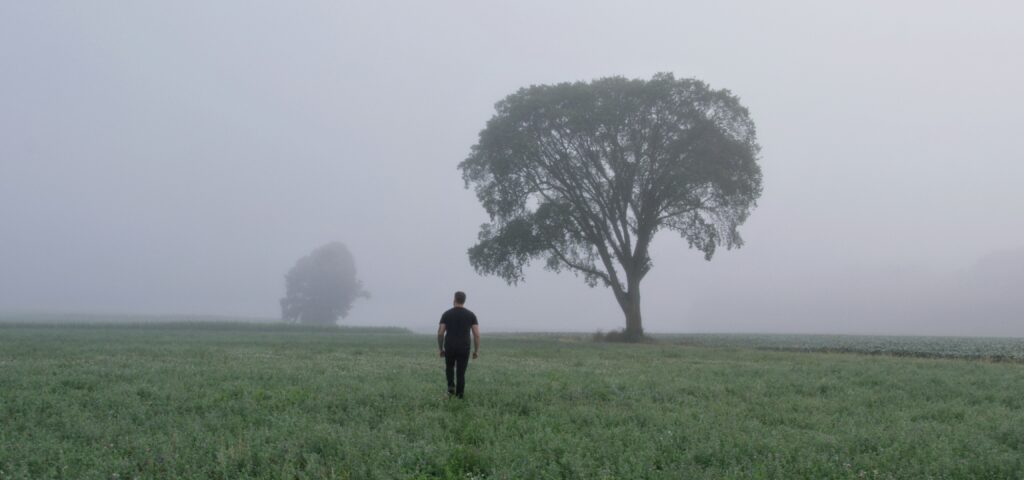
(321, 286)
(583, 175)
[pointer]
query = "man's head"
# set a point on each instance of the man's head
(460, 298)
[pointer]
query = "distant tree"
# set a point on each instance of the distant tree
(583, 175)
(321, 286)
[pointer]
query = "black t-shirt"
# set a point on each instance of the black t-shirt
(458, 323)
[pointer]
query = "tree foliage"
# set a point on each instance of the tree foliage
(321, 286)
(583, 175)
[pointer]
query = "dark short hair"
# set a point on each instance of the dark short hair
(460, 297)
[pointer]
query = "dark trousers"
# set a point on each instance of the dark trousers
(455, 364)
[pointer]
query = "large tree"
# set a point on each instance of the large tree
(583, 175)
(321, 286)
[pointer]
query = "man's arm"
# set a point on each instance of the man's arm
(476, 340)
(440, 338)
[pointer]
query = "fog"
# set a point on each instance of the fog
(179, 157)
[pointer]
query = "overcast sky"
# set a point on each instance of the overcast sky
(179, 157)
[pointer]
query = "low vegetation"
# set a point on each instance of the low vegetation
(152, 401)
(980, 348)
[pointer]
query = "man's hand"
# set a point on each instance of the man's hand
(440, 336)
(476, 340)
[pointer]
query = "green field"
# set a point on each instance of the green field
(1002, 349)
(267, 401)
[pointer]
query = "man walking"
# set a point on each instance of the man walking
(453, 341)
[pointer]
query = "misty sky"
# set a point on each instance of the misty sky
(179, 157)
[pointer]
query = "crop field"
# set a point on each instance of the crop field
(991, 349)
(268, 401)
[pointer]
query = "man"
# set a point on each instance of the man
(453, 341)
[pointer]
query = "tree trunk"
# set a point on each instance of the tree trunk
(630, 303)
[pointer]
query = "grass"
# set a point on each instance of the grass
(1001, 349)
(252, 401)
